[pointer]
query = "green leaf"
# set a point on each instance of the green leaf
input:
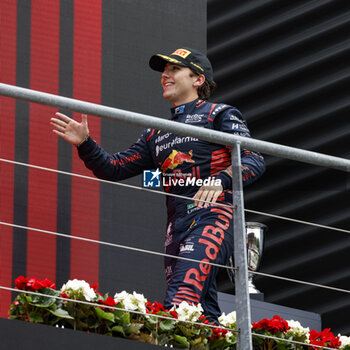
(195, 341)
(200, 346)
(152, 319)
(163, 339)
(93, 322)
(133, 328)
(122, 317)
(35, 317)
(109, 316)
(24, 298)
(181, 341)
(282, 345)
(61, 313)
(219, 344)
(118, 329)
(167, 325)
(188, 332)
(40, 301)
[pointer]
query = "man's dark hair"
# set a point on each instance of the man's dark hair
(206, 89)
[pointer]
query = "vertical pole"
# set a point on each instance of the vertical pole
(240, 255)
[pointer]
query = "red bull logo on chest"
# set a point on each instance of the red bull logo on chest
(175, 159)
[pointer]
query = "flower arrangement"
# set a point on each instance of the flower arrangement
(81, 306)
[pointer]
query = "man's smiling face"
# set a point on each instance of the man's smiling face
(179, 84)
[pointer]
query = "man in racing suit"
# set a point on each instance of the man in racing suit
(195, 229)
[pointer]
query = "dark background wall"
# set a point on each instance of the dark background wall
(285, 65)
(96, 51)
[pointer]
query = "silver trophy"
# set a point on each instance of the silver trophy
(255, 245)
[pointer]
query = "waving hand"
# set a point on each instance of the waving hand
(69, 129)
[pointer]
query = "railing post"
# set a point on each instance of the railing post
(240, 255)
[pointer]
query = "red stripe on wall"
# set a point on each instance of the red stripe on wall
(42, 186)
(86, 86)
(8, 34)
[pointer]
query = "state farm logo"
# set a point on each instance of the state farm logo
(176, 141)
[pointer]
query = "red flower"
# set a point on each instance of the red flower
(155, 307)
(203, 318)
(219, 332)
(21, 282)
(275, 325)
(64, 295)
(32, 284)
(324, 338)
(109, 302)
(49, 284)
(173, 313)
(94, 286)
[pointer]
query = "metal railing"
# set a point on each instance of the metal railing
(241, 274)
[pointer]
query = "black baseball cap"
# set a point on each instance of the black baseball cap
(185, 57)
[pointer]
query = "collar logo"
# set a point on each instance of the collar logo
(181, 52)
(179, 109)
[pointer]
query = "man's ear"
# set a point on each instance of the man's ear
(200, 79)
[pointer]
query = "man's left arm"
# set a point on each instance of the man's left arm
(252, 163)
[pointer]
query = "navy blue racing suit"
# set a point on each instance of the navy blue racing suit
(204, 234)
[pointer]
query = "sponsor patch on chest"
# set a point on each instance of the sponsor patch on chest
(193, 118)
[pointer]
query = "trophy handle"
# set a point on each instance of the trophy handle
(255, 246)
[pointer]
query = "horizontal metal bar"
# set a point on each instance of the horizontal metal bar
(147, 121)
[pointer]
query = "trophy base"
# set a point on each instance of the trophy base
(257, 296)
(254, 292)
(225, 284)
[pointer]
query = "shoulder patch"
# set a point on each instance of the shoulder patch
(216, 109)
(150, 135)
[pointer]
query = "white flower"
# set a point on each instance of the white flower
(118, 297)
(132, 302)
(298, 331)
(139, 301)
(229, 320)
(344, 341)
(188, 312)
(229, 336)
(78, 288)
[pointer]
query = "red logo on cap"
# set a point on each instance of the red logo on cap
(182, 53)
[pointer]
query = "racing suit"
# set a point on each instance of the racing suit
(204, 234)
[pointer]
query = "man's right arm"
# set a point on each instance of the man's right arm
(118, 166)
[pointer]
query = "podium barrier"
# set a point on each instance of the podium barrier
(261, 309)
(21, 335)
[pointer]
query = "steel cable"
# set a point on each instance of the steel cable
(113, 245)
(174, 195)
(168, 255)
(164, 254)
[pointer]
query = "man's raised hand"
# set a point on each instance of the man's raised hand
(69, 129)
